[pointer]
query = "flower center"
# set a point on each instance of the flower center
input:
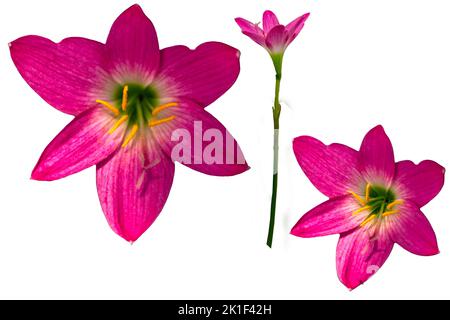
(136, 106)
(379, 202)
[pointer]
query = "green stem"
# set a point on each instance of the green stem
(276, 126)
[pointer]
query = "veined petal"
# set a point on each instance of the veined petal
(360, 255)
(293, 28)
(133, 186)
(198, 140)
(331, 217)
(412, 230)
(67, 75)
(277, 39)
(332, 169)
(132, 47)
(270, 20)
(201, 75)
(377, 157)
(248, 26)
(81, 144)
(418, 183)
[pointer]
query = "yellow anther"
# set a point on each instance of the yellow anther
(118, 123)
(395, 203)
(358, 198)
(124, 98)
(160, 108)
(109, 106)
(367, 192)
(161, 121)
(388, 213)
(131, 135)
(367, 220)
(361, 210)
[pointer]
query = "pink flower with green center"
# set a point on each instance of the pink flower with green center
(129, 98)
(374, 202)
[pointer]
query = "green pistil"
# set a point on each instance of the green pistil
(378, 201)
(140, 103)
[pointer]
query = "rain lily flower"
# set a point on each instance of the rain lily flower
(275, 38)
(374, 202)
(128, 97)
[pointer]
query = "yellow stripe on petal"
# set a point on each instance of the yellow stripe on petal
(367, 220)
(358, 198)
(125, 98)
(158, 122)
(395, 203)
(109, 106)
(162, 107)
(118, 123)
(131, 135)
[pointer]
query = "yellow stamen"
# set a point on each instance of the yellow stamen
(388, 213)
(131, 135)
(395, 203)
(124, 98)
(109, 106)
(367, 220)
(118, 123)
(162, 107)
(358, 198)
(158, 122)
(361, 210)
(367, 192)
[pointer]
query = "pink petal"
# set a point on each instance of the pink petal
(199, 141)
(270, 20)
(331, 217)
(332, 169)
(377, 157)
(418, 183)
(277, 39)
(411, 230)
(133, 47)
(67, 75)
(81, 144)
(133, 186)
(201, 75)
(294, 27)
(247, 26)
(360, 255)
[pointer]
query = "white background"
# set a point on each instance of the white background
(356, 64)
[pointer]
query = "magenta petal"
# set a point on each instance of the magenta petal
(418, 183)
(270, 20)
(81, 144)
(332, 169)
(201, 75)
(331, 217)
(277, 39)
(247, 26)
(66, 74)
(412, 231)
(294, 27)
(133, 186)
(198, 140)
(132, 46)
(360, 255)
(377, 157)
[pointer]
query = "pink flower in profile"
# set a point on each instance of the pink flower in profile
(374, 202)
(128, 97)
(273, 36)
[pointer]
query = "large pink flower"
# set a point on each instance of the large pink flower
(273, 36)
(128, 98)
(374, 202)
